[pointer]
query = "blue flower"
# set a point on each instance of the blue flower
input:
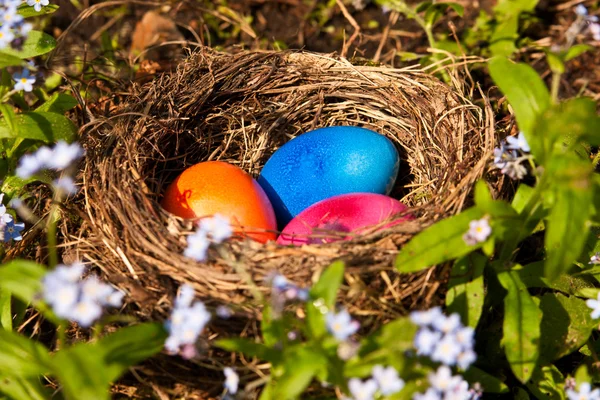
(232, 380)
(75, 299)
(387, 379)
(24, 81)
(341, 325)
(12, 230)
(186, 323)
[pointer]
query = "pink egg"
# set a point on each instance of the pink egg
(328, 220)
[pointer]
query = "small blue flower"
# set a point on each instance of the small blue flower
(341, 325)
(186, 323)
(232, 380)
(24, 81)
(12, 230)
(387, 379)
(362, 390)
(518, 143)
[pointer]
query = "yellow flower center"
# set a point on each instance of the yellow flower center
(23, 80)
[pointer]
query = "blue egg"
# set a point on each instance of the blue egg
(327, 162)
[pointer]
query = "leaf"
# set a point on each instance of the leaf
(23, 389)
(129, 346)
(7, 60)
(58, 103)
(547, 383)
(22, 357)
(576, 51)
(45, 126)
(566, 325)
(302, 364)
(555, 62)
(329, 282)
(36, 44)
(532, 275)
(566, 232)
(490, 383)
(323, 295)
(82, 373)
(397, 335)
(522, 197)
(27, 11)
(5, 309)
(440, 242)
(437, 10)
(250, 349)
(521, 328)
(466, 294)
(568, 123)
(526, 93)
(22, 278)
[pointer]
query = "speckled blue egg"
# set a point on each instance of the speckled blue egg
(328, 162)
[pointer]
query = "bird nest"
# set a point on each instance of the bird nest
(240, 108)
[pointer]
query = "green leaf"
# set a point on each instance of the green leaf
(82, 373)
(532, 275)
(466, 289)
(329, 283)
(23, 389)
(526, 93)
(521, 329)
(250, 349)
(556, 64)
(58, 103)
(323, 295)
(566, 232)
(547, 383)
(36, 44)
(7, 60)
(576, 51)
(397, 335)
(5, 309)
(129, 346)
(522, 197)
(302, 364)
(437, 10)
(45, 126)
(28, 11)
(566, 325)
(573, 121)
(22, 278)
(440, 242)
(22, 357)
(490, 383)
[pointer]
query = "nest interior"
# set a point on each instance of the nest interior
(240, 108)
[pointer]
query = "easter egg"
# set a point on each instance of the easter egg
(328, 220)
(327, 162)
(215, 187)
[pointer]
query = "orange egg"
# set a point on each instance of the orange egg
(213, 187)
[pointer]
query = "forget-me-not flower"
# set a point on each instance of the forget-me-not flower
(24, 81)
(595, 306)
(232, 380)
(585, 392)
(341, 325)
(186, 323)
(479, 231)
(387, 380)
(38, 4)
(76, 299)
(12, 231)
(362, 390)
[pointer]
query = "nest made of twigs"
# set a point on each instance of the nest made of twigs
(240, 108)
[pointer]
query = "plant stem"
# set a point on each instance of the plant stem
(555, 86)
(51, 235)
